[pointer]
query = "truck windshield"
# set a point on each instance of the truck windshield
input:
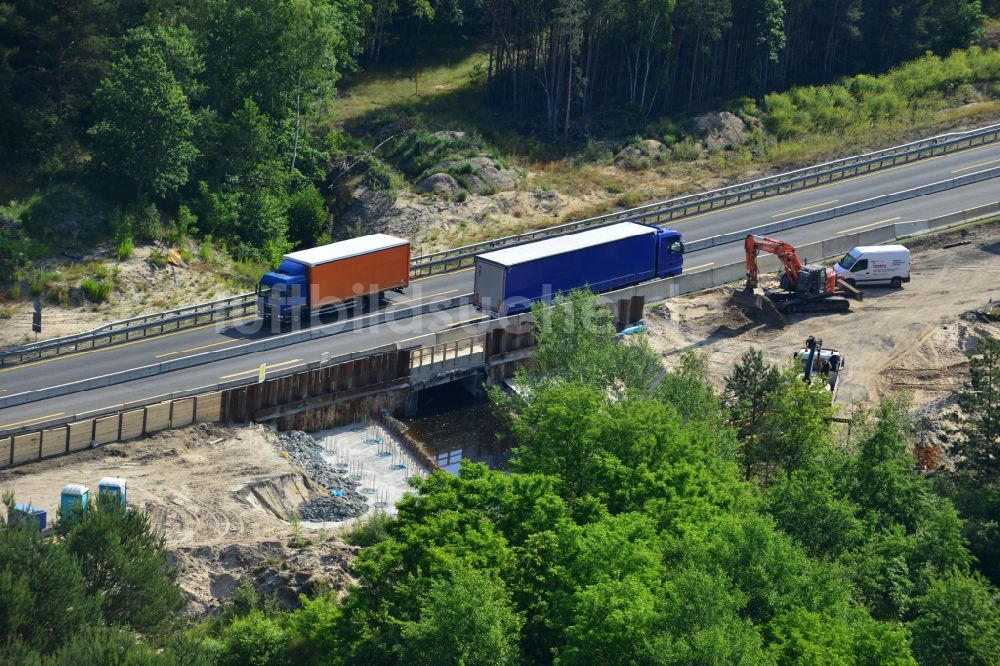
(848, 261)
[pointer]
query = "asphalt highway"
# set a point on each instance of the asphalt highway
(83, 365)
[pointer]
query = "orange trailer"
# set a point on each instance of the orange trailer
(333, 275)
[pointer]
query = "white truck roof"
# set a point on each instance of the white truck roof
(521, 254)
(865, 249)
(342, 250)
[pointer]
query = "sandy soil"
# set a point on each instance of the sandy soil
(222, 496)
(913, 339)
(140, 288)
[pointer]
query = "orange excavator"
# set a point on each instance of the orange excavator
(811, 288)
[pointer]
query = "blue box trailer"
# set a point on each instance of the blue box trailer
(508, 281)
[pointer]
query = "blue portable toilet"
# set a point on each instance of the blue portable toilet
(24, 512)
(113, 486)
(74, 495)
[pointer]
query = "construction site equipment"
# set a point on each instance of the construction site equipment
(816, 360)
(810, 288)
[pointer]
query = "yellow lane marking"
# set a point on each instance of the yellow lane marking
(428, 277)
(848, 231)
(799, 210)
(841, 181)
(269, 366)
(421, 298)
(694, 268)
(27, 421)
(975, 166)
(214, 344)
(124, 344)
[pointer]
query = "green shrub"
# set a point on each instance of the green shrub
(184, 225)
(254, 640)
(629, 200)
(207, 250)
(147, 226)
(124, 249)
(369, 530)
(96, 291)
(158, 259)
(39, 281)
(687, 150)
(57, 293)
(307, 216)
(381, 176)
(98, 270)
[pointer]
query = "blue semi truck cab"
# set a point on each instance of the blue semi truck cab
(283, 291)
(669, 253)
(508, 281)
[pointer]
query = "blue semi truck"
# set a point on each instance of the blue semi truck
(508, 281)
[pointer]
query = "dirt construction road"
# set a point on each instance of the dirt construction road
(914, 339)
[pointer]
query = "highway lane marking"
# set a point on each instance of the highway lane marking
(27, 421)
(420, 298)
(214, 344)
(841, 181)
(123, 344)
(428, 277)
(799, 210)
(694, 268)
(975, 166)
(269, 366)
(848, 231)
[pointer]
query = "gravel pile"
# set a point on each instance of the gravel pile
(307, 453)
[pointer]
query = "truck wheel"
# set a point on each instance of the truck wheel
(896, 283)
(851, 281)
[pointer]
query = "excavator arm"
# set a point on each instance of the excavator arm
(754, 245)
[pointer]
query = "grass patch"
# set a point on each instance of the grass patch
(393, 85)
(244, 275)
(369, 530)
(124, 249)
(206, 250)
(96, 291)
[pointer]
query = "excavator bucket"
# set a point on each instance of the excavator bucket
(747, 297)
(758, 307)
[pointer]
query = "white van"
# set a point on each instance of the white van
(875, 263)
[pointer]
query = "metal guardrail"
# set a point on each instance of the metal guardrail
(264, 344)
(420, 357)
(447, 351)
(693, 204)
(460, 257)
(131, 329)
(187, 393)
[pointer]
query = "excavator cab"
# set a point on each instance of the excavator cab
(812, 281)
